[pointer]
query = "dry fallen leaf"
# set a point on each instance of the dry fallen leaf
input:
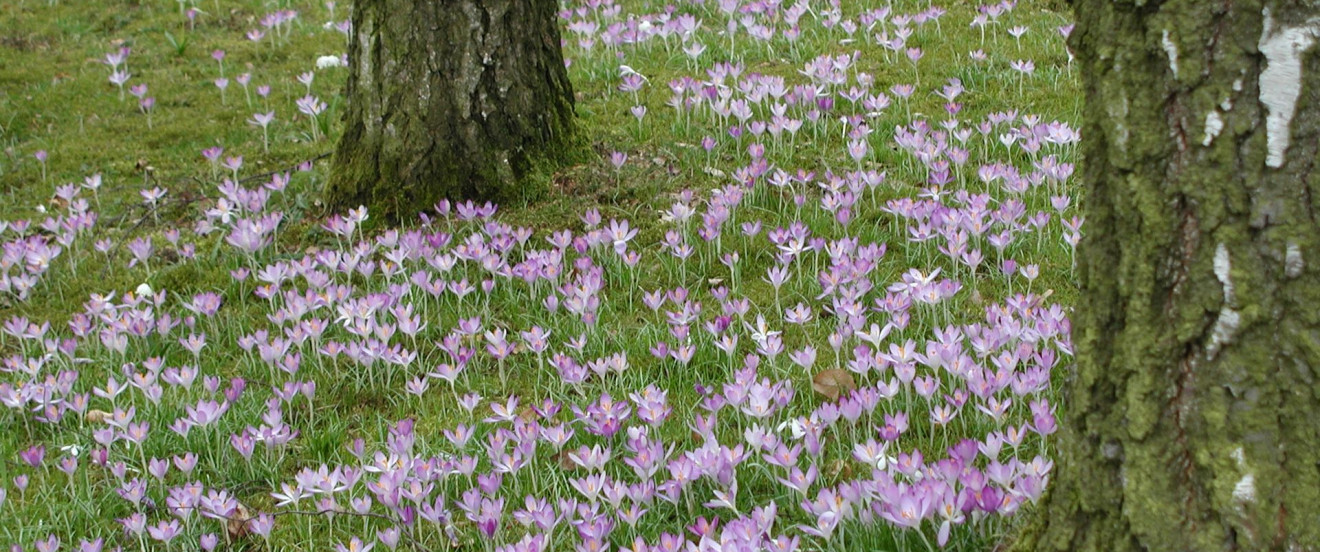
(832, 383)
(565, 463)
(840, 470)
(527, 414)
(237, 525)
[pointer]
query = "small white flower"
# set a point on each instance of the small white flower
(794, 428)
(144, 290)
(626, 70)
(325, 62)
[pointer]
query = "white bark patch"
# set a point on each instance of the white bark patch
(1223, 268)
(1118, 112)
(1111, 450)
(1213, 125)
(1172, 50)
(1293, 264)
(1245, 488)
(1226, 326)
(366, 78)
(1281, 80)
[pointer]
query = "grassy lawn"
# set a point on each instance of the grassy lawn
(812, 294)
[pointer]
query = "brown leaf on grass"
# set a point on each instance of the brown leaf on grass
(527, 414)
(98, 416)
(237, 525)
(840, 470)
(565, 462)
(832, 383)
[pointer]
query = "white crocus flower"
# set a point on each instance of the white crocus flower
(326, 62)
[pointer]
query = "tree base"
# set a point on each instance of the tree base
(359, 180)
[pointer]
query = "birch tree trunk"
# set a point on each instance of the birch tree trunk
(1193, 419)
(450, 98)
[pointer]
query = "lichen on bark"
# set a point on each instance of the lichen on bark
(457, 99)
(1192, 419)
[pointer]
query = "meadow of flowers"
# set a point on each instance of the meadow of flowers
(813, 295)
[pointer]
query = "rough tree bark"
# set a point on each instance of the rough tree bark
(450, 98)
(1193, 417)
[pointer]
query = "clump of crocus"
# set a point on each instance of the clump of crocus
(312, 107)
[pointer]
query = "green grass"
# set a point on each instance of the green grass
(54, 96)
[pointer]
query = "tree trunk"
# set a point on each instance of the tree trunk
(1193, 418)
(450, 98)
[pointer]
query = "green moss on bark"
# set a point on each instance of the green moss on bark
(1191, 419)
